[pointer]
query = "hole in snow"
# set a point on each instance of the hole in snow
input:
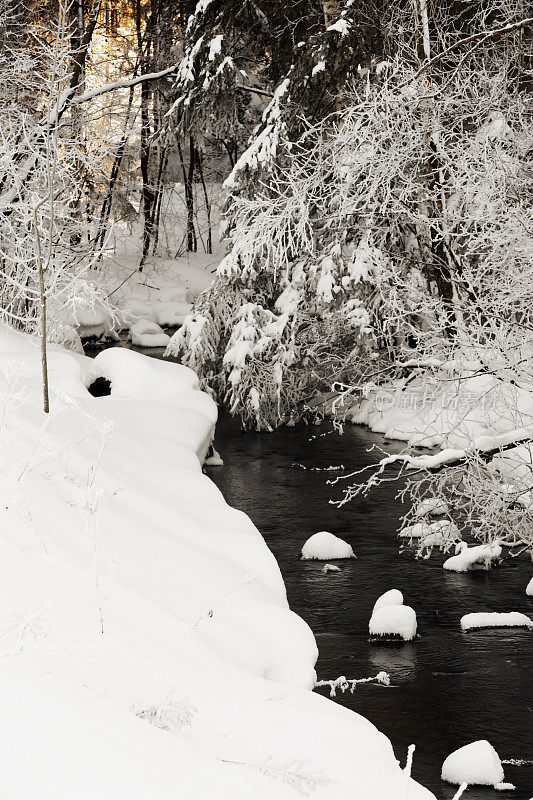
(100, 387)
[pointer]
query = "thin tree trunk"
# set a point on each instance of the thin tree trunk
(331, 11)
(199, 161)
(188, 175)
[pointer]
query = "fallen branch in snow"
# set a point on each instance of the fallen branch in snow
(344, 683)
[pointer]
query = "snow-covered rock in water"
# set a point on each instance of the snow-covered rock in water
(432, 534)
(396, 620)
(475, 763)
(440, 534)
(391, 598)
(67, 336)
(324, 546)
(471, 558)
(416, 531)
(330, 568)
(91, 318)
(145, 333)
(431, 507)
(214, 459)
(511, 619)
(529, 588)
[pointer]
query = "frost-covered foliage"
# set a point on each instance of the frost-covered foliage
(43, 163)
(350, 243)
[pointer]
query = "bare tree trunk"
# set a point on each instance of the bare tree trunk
(188, 183)
(199, 161)
(331, 11)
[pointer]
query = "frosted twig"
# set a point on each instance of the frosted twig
(461, 790)
(344, 683)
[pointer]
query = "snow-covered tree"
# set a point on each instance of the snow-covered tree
(359, 240)
(43, 259)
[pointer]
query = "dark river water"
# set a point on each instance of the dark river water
(448, 688)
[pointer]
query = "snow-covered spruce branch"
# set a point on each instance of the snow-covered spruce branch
(345, 684)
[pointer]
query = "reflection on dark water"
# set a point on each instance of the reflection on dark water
(449, 688)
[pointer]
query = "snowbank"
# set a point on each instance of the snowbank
(324, 546)
(147, 645)
(495, 620)
(475, 763)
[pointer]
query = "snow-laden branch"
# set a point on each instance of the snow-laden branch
(484, 447)
(127, 83)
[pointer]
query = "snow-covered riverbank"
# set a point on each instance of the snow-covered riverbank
(148, 647)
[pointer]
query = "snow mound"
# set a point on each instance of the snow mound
(145, 333)
(512, 619)
(504, 787)
(390, 620)
(214, 460)
(431, 507)
(475, 763)
(324, 545)
(330, 568)
(529, 588)
(391, 598)
(470, 558)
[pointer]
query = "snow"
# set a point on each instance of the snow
(132, 594)
(494, 619)
(529, 588)
(471, 558)
(397, 620)
(214, 460)
(342, 26)
(324, 546)
(391, 598)
(432, 507)
(330, 568)
(320, 67)
(215, 46)
(148, 334)
(443, 531)
(475, 763)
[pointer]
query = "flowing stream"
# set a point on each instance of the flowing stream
(448, 688)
